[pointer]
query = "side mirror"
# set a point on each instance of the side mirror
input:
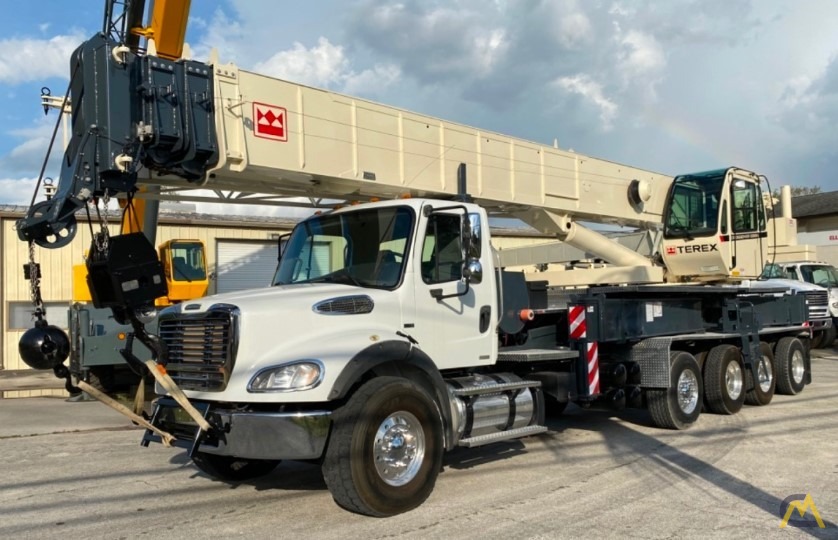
(473, 271)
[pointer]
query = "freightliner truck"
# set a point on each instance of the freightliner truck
(391, 333)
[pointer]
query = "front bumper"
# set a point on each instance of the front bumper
(244, 434)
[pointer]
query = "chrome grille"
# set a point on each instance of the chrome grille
(818, 304)
(200, 349)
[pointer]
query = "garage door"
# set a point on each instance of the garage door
(244, 265)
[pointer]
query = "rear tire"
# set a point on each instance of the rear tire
(790, 361)
(678, 406)
(231, 469)
(828, 338)
(385, 450)
(552, 407)
(724, 380)
(817, 338)
(763, 388)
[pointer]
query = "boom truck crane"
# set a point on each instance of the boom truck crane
(391, 334)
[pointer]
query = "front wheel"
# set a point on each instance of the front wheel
(678, 406)
(231, 469)
(762, 390)
(385, 450)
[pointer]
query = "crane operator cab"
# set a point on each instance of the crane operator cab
(715, 227)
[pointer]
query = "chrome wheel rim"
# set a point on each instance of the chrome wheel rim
(798, 367)
(399, 448)
(765, 372)
(687, 391)
(733, 380)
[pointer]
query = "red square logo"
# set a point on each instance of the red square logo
(269, 121)
(670, 250)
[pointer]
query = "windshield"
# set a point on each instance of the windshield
(772, 271)
(825, 276)
(366, 248)
(693, 208)
(188, 261)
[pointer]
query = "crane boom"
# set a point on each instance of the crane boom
(189, 124)
(376, 150)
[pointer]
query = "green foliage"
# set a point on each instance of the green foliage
(796, 191)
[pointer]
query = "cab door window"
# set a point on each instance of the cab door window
(442, 251)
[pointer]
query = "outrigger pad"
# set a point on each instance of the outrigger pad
(127, 274)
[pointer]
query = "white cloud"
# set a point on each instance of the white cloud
(26, 158)
(16, 190)
(574, 30)
(808, 108)
(371, 82)
(327, 66)
(592, 91)
(640, 56)
(29, 59)
(324, 65)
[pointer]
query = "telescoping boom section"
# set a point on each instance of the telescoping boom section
(216, 126)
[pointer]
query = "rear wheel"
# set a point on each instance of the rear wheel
(817, 338)
(385, 450)
(553, 407)
(790, 361)
(231, 469)
(678, 406)
(828, 338)
(724, 380)
(762, 390)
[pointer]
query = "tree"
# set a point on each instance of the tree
(797, 191)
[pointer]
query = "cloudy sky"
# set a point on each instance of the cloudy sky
(673, 86)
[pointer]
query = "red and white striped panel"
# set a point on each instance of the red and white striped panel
(576, 320)
(593, 368)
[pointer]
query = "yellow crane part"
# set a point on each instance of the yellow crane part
(167, 28)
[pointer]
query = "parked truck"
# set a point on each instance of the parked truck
(391, 333)
(819, 274)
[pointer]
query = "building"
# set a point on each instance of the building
(817, 223)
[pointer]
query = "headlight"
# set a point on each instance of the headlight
(302, 375)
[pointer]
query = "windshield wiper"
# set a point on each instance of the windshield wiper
(338, 276)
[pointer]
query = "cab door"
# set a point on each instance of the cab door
(455, 318)
(748, 241)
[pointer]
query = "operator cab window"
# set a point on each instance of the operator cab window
(442, 252)
(747, 208)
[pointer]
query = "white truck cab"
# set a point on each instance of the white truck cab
(819, 274)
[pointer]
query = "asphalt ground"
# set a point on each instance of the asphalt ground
(76, 470)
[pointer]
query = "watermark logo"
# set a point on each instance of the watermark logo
(802, 503)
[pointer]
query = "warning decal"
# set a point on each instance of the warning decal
(269, 121)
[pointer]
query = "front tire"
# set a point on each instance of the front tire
(762, 390)
(678, 406)
(231, 469)
(790, 361)
(724, 380)
(385, 450)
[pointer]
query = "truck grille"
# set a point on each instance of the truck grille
(818, 304)
(201, 349)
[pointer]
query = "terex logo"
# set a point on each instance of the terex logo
(698, 248)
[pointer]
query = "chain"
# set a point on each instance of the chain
(35, 284)
(103, 237)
